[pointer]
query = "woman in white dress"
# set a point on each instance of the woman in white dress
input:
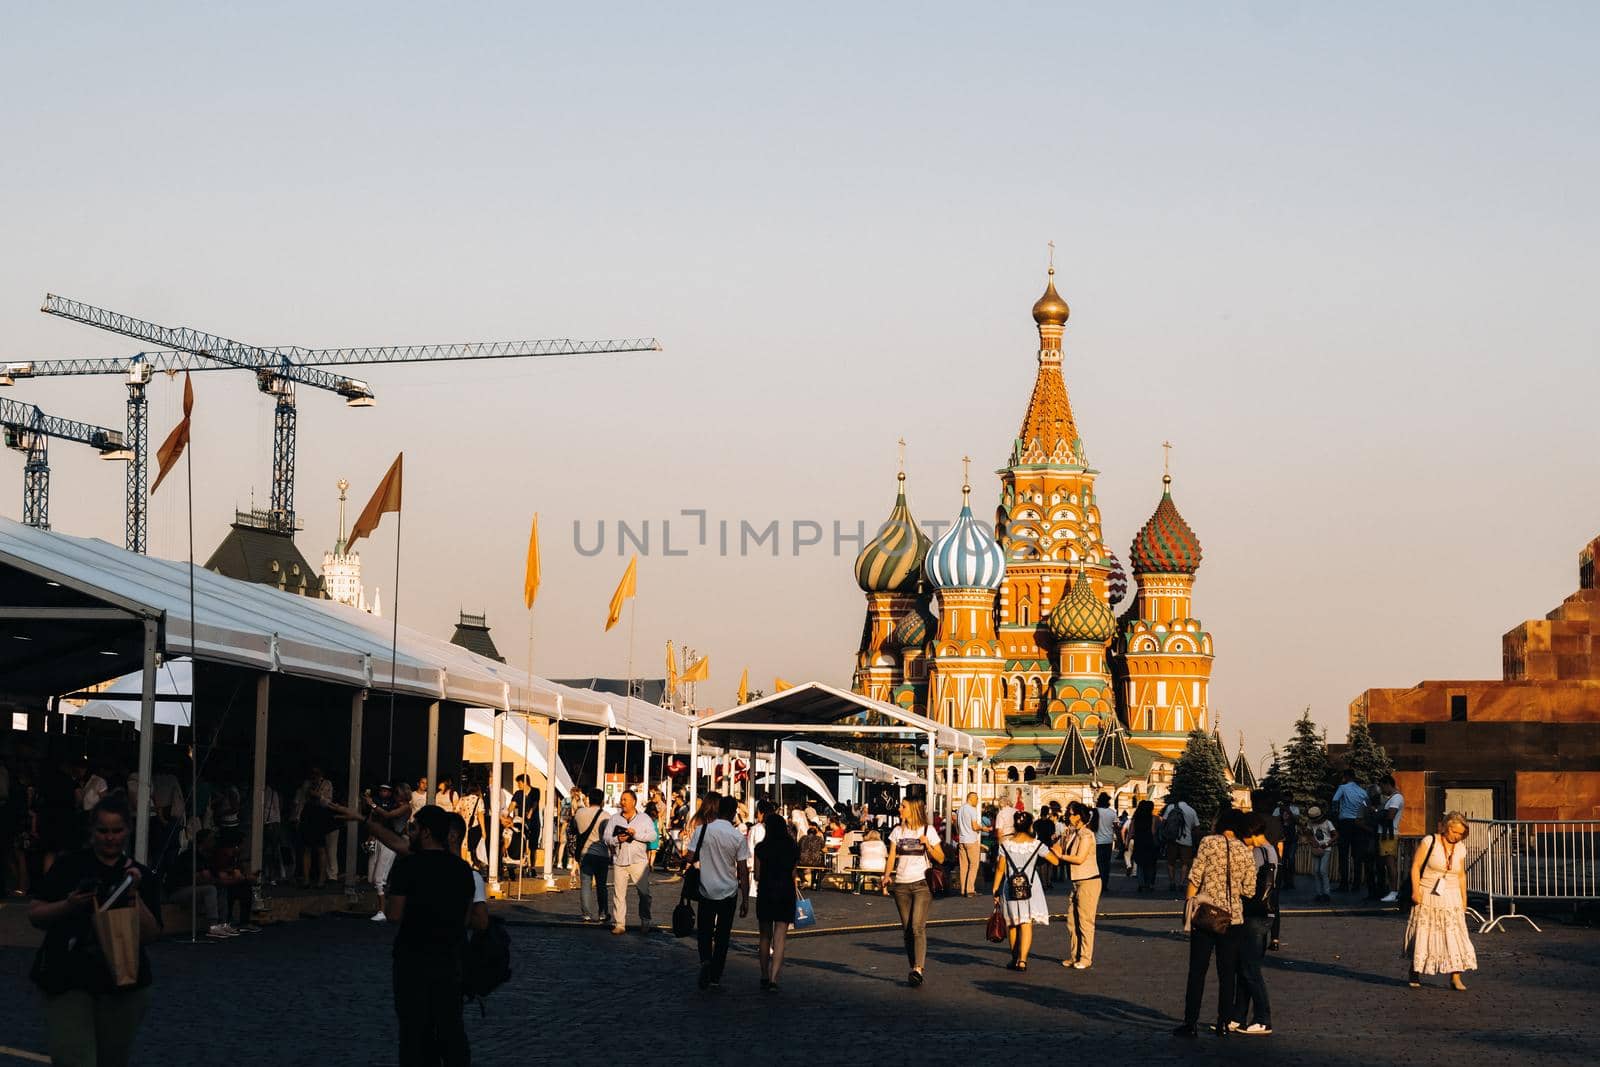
(1436, 935)
(1021, 854)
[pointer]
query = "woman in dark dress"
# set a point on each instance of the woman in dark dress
(1145, 851)
(775, 898)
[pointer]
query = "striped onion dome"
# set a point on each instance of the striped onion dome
(966, 557)
(890, 561)
(913, 628)
(1082, 616)
(1166, 545)
(1116, 581)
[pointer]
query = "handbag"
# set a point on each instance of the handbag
(805, 915)
(1208, 916)
(117, 930)
(995, 931)
(934, 876)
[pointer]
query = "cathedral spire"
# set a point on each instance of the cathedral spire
(1049, 434)
(339, 545)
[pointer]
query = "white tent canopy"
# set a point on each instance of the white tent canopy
(519, 740)
(120, 701)
(863, 767)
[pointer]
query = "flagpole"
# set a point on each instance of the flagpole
(394, 644)
(194, 719)
(627, 707)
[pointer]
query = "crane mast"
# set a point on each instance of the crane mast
(28, 430)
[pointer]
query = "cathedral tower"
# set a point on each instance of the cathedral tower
(889, 571)
(965, 568)
(1168, 651)
(1048, 526)
(1082, 625)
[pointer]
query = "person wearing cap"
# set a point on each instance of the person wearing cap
(393, 810)
(1323, 837)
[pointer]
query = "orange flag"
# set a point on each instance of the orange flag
(672, 668)
(172, 448)
(779, 685)
(625, 589)
(385, 499)
(699, 670)
(744, 686)
(530, 580)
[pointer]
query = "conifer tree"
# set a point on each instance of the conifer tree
(1200, 777)
(1304, 771)
(1365, 756)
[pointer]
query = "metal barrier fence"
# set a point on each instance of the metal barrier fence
(1521, 860)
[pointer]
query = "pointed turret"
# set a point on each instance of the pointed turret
(1074, 760)
(1244, 776)
(1049, 434)
(1111, 747)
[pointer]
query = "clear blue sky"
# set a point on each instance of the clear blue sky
(1341, 257)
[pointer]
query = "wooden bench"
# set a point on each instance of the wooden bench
(813, 876)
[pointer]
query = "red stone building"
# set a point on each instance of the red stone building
(1524, 747)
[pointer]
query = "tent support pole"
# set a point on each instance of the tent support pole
(933, 761)
(777, 773)
(645, 789)
(358, 701)
(496, 751)
(147, 741)
(600, 765)
(694, 770)
(433, 752)
(258, 774)
(547, 820)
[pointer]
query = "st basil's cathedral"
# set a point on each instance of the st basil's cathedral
(1010, 630)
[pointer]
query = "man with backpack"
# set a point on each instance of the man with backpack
(430, 899)
(1178, 823)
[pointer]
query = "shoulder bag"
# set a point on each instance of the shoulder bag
(1209, 917)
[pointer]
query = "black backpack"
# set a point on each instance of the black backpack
(487, 964)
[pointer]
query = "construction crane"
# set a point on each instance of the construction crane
(28, 430)
(277, 371)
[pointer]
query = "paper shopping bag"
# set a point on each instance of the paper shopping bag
(117, 930)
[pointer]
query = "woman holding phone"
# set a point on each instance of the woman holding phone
(88, 1017)
(911, 844)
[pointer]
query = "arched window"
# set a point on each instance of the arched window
(1011, 774)
(1025, 613)
(1027, 774)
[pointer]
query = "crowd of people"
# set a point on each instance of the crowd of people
(71, 840)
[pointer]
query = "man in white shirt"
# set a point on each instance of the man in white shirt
(969, 835)
(1105, 836)
(724, 859)
(90, 786)
(630, 835)
(1394, 805)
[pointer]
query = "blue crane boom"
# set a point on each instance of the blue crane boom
(27, 429)
(277, 371)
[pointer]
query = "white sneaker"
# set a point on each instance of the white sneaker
(1391, 898)
(379, 917)
(222, 930)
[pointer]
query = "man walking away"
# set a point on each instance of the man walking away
(969, 829)
(594, 859)
(1349, 807)
(1178, 823)
(724, 858)
(430, 897)
(630, 835)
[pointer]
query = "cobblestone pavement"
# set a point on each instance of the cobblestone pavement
(317, 992)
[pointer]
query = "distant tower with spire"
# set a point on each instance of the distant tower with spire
(341, 568)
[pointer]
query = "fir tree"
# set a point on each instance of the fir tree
(1365, 756)
(1200, 777)
(1305, 765)
(1272, 784)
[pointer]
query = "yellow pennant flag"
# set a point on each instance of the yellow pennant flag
(625, 589)
(172, 448)
(672, 668)
(530, 580)
(699, 670)
(779, 685)
(744, 686)
(385, 498)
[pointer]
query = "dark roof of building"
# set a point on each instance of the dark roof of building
(1244, 776)
(1073, 760)
(252, 553)
(472, 634)
(650, 690)
(1111, 748)
(1024, 752)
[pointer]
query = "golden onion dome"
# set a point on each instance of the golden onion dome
(1050, 309)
